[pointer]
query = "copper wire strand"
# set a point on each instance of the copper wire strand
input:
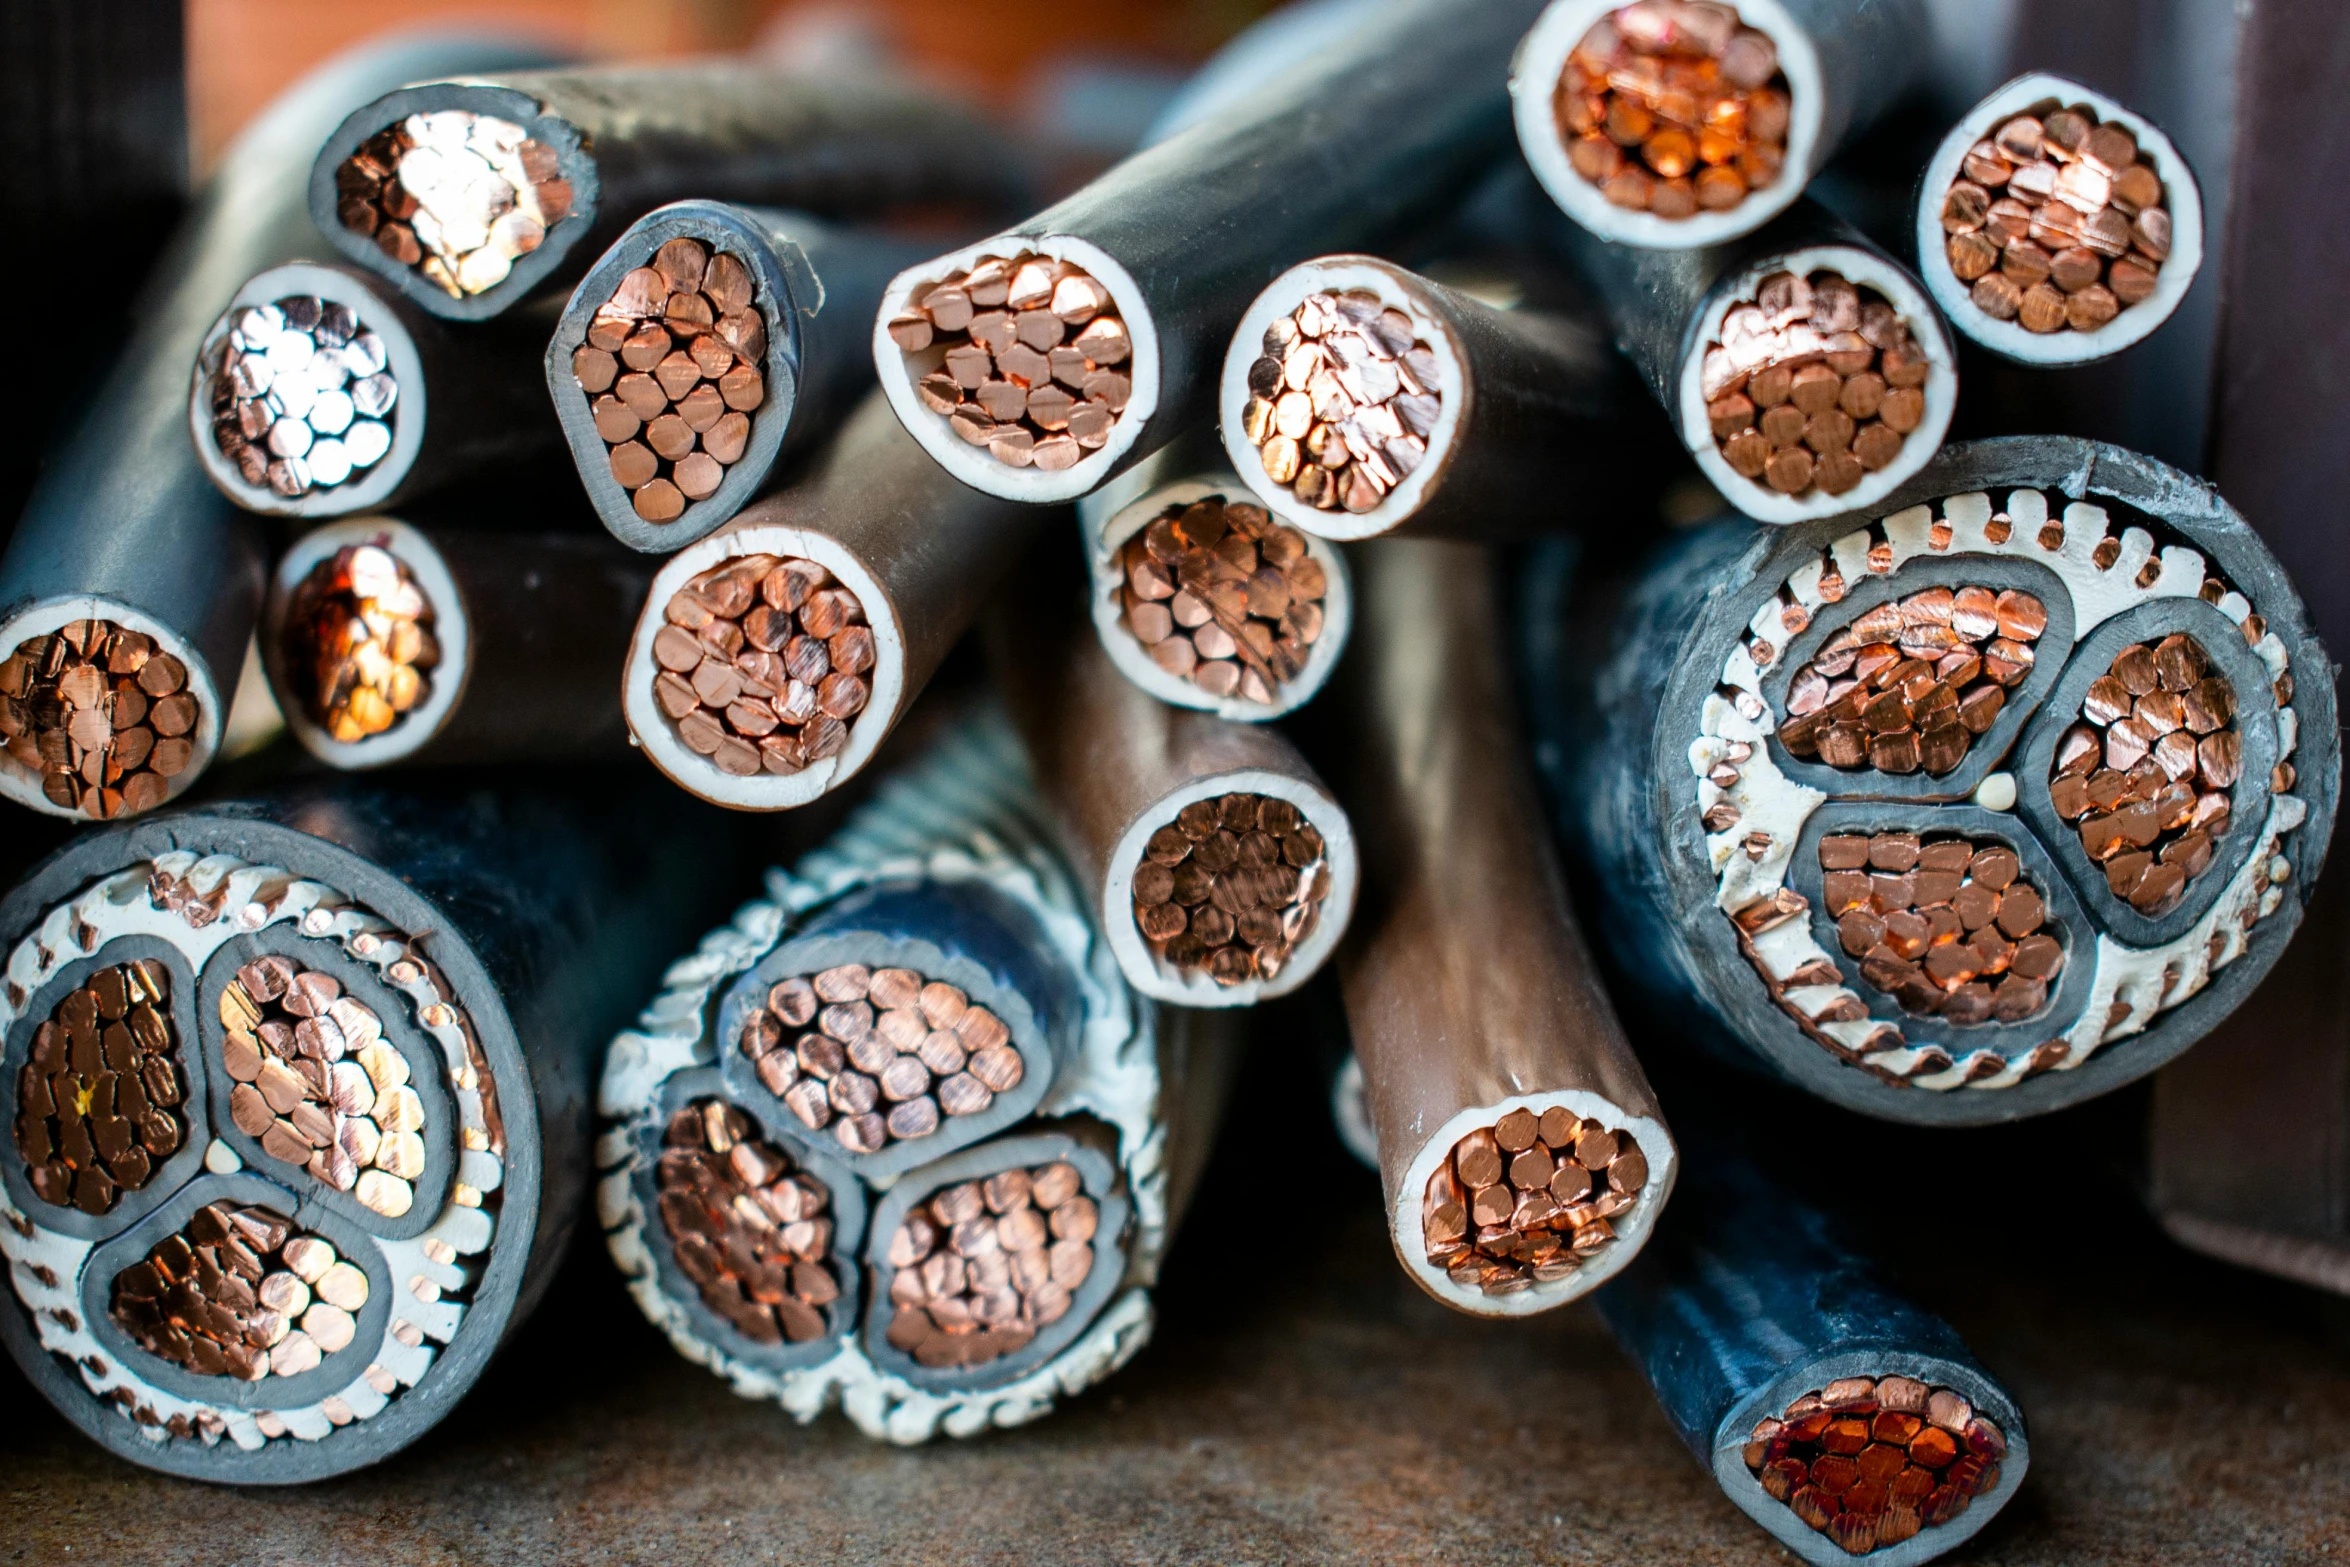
(99, 1098)
(1872, 1462)
(1221, 595)
(763, 664)
(359, 643)
(1232, 887)
(98, 716)
(1528, 1200)
(302, 397)
(748, 1226)
(1947, 926)
(1342, 400)
(241, 1291)
(456, 195)
(979, 1267)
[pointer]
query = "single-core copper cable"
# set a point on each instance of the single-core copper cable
(1221, 595)
(458, 196)
(1874, 1461)
(302, 395)
(751, 1229)
(1342, 400)
(1527, 1200)
(980, 1266)
(360, 642)
(99, 1100)
(97, 718)
(1948, 927)
(1231, 887)
(241, 1291)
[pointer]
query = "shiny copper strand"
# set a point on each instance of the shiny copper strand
(456, 195)
(98, 1098)
(1022, 355)
(301, 395)
(97, 717)
(1342, 399)
(1870, 1462)
(241, 1292)
(1528, 1200)
(747, 1225)
(1221, 595)
(1912, 683)
(1674, 107)
(1947, 926)
(2057, 222)
(763, 664)
(2146, 773)
(359, 642)
(879, 1056)
(1813, 385)
(318, 1085)
(978, 1268)
(675, 364)
(1231, 887)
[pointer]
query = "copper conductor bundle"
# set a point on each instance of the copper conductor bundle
(1909, 685)
(98, 716)
(1947, 927)
(885, 1056)
(978, 1267)
(1342, 400)
(1814, 384)
(1231, 887)
(359, 642)
(319, 1086)
(456, 195)
(746, 1225)
(300, 396)
(1526, 1201)
(1018, 356)
(1872, 1462)
(763, 664)
(674, 362)
(1672, 106)
(97, 1098)
(2146, 775)
(241, 1292)
(1223, 596)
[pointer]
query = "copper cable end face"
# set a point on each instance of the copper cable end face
(456, 195)
(978, 1268)
(1910, 685)
(97, 718)
(302, 397)
(1223, 596)
(1872, 1462)
(2057, 222)
(1527, 1201)
(2145, 774)
(1231, 887)
(1674, 107)
(359, 645)
(1948, 927)
(1024, 356)
(99, 1100)
(749, 1227)
(1342, 400)
(1813, 385)
(674, 368)
(763, 665)
(241, 1292)
(879, 1056)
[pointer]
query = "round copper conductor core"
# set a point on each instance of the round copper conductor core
(241, 1292)
(98, 716)
(359, 642)
(318, 1086)
(302, 397)
(1871, 1462)
(2057, 222)
(456, 195)
(1673, 107)
(98, 1100)
(1813, 385)
(673, 363)
(1910, 685)
(1948, 927)
(879, 1056)
(747, 1226)
(1231, 887)
(1022, 356)
(1223, 596)
(1527, 1200)
(2145, 775)
(979, 1267)
(1342, 399)
(763, 664)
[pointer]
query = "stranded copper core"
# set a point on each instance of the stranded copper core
(1231, 887)
(100, 718)
(302, 396)
(1528, 1201)
(1947, 927)
(979, 1267)
(241, 1292)
(1023, 356)
(764, 663)
(98, 1099)
(359, 643)
(456, 195)
(1342, 399)
(747, 1225)
(1673, 107)
(1221, 595)
(673, 363)
(1872, 1462)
